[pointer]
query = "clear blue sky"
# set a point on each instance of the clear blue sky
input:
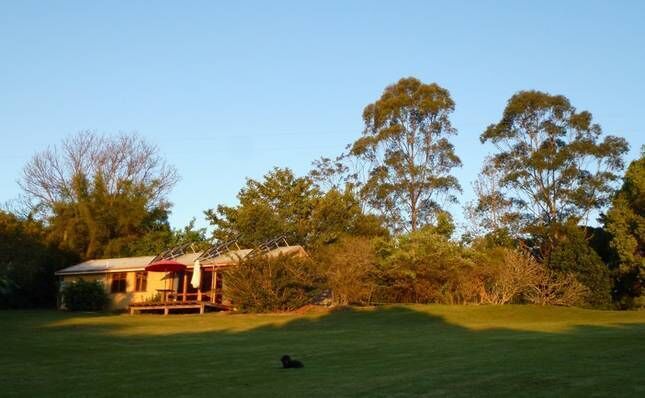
(227, 90)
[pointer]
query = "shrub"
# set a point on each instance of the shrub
(85, 296)
(264, 284)
(27, 263)
(556, 288)
(504, 274)
(574, 255)
(507, 276)
(424, 267)
(348, 267)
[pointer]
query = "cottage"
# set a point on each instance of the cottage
(138, 283)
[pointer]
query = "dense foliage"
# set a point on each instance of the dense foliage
(27, 263)
(419, 267)
(422, 267)
(625, 223)
(349, 267)
(266, 284)
(285, 204)
(573, 254)
(84, 295)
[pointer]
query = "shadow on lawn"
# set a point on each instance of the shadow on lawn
(382, 352)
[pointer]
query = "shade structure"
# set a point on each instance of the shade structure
(166, 266)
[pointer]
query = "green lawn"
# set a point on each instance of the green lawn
(387, 352)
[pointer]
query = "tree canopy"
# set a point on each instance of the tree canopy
(625, 221)
(553, 160)
(98, 194)
(27, 263)
(282, 203)
(406, 150)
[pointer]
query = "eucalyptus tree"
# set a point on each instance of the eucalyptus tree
(491, 214)
(407, 153)
(554, 163)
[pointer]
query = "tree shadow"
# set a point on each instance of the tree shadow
(390, 351)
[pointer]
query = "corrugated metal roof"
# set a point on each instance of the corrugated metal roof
(139, 263)
(287, 250)
(107, 265)
(229, 258)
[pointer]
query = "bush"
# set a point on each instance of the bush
(556, 288)
(264, 284)
(27, 263)
(85, 296)
(348, 267)
(574, 255)
(507, 276)
(424, 267)
(503, 275)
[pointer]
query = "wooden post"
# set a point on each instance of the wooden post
(165, 310)
(201, 309)
(213, 285)
(185, 285)
(199, 292)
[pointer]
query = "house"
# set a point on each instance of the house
(130, 286)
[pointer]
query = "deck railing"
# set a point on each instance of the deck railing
(211, 296)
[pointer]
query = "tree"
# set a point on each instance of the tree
(99, 193)
(329, 173)
(279, 204)
(553, 164)
(338, 214)
(574, 255)
(27, 263)
(625, 221)
(492, 214)
(156, 241)
(285, 204)
(408, 155)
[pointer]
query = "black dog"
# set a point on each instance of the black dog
(287, 362)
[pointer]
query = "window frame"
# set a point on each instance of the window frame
(118, 282)
(141, 281)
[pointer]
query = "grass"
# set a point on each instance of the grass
(397, 351)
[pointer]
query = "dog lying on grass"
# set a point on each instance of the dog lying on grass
(287, 362)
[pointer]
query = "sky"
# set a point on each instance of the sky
(228, 90)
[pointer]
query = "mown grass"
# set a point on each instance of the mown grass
(394, 351)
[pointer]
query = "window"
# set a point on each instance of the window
(141, 281)
(118, 282)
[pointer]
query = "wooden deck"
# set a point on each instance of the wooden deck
(176, 305)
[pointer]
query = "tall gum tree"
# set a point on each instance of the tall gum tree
(407, 152)
(555, 165)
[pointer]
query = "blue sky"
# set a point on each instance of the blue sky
(229, 90)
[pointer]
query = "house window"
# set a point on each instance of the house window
(118, 282)
(141, 281)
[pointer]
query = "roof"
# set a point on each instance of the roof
(107, 265)
(287, 250)
(124, 264)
